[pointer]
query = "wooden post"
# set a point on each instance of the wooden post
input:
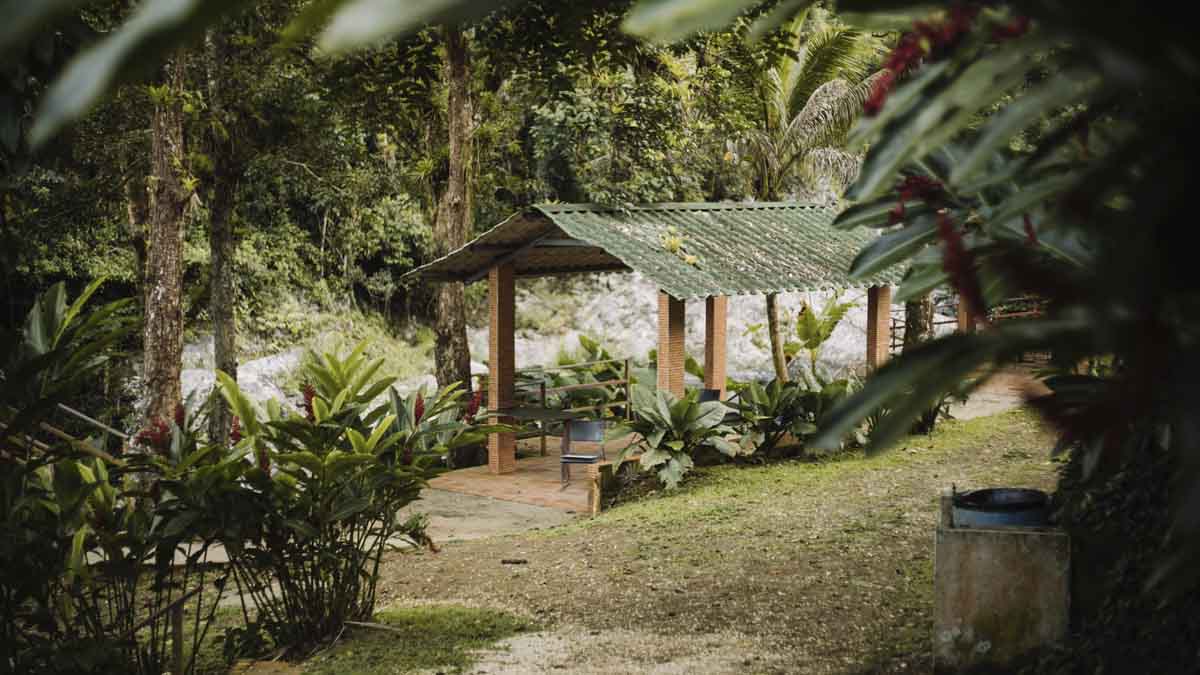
(716, 311)
(543, 425)
(879, 318)
(671, 327)
(502, 447)
(628, 392)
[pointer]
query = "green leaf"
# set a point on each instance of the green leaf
(1021, 113)
(888, 249)
(653, 457)
(362, 23)
(302, 528)
(350, 508)
(305, 459)
(156, 28)
(920, 280)
(22, 18)
(666, 21)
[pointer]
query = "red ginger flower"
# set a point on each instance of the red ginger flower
(925, 40)
(180, 415)
(473, 406)
(156, 435)
(310, 392)
(915, 187)
(1011, 30)
(235, 430)
(959, 264)
(419, 408)
(1030, 233)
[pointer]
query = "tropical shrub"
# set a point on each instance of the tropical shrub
(668, 431)
(770, 412)
(319, 508)
(98, 554)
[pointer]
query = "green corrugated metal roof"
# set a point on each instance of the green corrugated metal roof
(739, 248)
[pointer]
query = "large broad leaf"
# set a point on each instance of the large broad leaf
(893, 247)
(361, 23)
(1021, 113)
(23, 17)
(157, 28)
(710, 414)
(666, 21)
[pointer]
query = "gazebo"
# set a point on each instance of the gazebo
(701, 251)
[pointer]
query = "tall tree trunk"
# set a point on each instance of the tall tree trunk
(163, 331)
(220, 233)
(778, 358)
(452, 221)
(918, 321)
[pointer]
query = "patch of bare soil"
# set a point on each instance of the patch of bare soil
(799, 567)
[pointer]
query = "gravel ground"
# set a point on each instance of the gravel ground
(802, 567)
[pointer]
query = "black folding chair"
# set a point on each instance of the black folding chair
(586, 431)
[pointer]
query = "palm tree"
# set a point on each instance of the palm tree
(809, 102)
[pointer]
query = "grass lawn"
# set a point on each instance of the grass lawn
(821, 567)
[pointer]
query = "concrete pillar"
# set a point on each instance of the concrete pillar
(716, 311)
(671, 353)
(502, 448)
(879, 324)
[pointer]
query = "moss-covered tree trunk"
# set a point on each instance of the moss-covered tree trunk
(918, 321)
(220, 233)
(452, 221)
(775, 332)
(163, 330)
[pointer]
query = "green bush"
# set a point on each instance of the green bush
(669, 431)
(96, 551)
(308, 530)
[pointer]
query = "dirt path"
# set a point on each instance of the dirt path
(805, 567)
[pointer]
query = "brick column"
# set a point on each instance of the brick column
(965, 324)
(502, 448)
(716, 310)
(879, 324)
(670, 343)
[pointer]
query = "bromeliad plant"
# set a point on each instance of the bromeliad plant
(668, 431)
(320, 506)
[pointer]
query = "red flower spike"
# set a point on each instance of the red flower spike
(473, 406)
(1030, 233)
(896, 215)
(156, 435)
(406, 457)
(235, 430)
(180, 415)
(264, 461)
(419, 408)
(310, 392)
(959, 264)
(1011, 30)
(879, 93)
(925, 40)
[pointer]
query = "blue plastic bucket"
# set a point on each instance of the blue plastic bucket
(1002, 507)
